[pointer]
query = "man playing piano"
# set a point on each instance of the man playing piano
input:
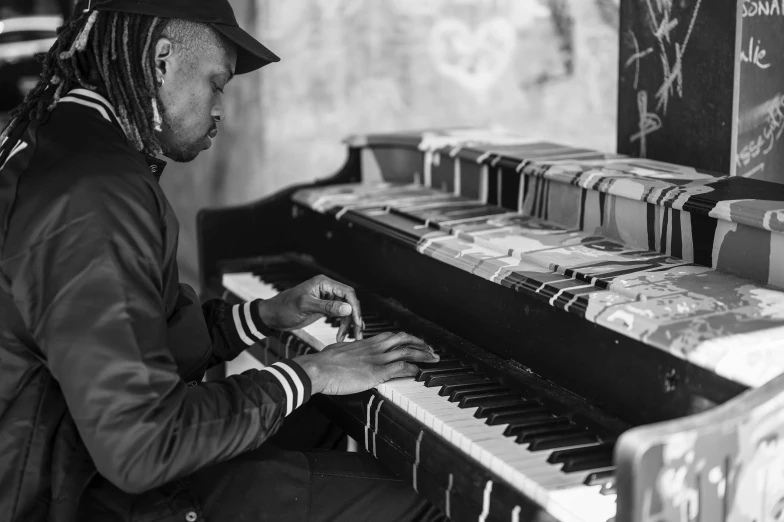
(103, 415)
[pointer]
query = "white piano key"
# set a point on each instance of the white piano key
(563, 495)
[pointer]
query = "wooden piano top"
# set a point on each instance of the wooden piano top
(726, 324)
(731, 223)
(756, 203)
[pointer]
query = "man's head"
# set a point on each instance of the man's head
(193, 64)
(163, 76)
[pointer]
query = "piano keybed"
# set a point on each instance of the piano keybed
(529, 450)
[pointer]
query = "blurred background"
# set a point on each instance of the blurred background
(542, 68)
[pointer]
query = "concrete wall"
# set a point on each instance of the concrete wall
(547, 68)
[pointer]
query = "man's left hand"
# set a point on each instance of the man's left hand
(308, 302)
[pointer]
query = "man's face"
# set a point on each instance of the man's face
(190, 99)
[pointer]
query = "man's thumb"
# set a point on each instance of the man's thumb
(334, 308)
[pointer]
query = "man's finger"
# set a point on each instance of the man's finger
(343, 328)
(401, 339)
(410, 354)
(358, 329)
(400, 369)
(328, 308)
(346, 293)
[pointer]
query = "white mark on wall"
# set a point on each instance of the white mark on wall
(475, 58)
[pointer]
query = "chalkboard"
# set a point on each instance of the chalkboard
(761, 112)
(676, 81)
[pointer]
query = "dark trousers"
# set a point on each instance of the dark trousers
(298, 475)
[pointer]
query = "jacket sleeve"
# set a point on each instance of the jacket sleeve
(90, 291)
(233, 328)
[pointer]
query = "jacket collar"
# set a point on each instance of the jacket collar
(98, 103)
(94, 101)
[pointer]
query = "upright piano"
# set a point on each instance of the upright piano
(611, 329)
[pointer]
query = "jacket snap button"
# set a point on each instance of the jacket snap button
(191, 516)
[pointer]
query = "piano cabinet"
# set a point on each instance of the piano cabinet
(607, 352)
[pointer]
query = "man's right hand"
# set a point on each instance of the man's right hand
(345, 368)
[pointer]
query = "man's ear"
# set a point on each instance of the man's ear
(164, 60)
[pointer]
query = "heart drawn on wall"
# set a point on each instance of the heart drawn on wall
(475, 58)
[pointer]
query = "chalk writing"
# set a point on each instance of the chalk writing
(649, 122)
(755, 54)
(764, 142)
(762, 8)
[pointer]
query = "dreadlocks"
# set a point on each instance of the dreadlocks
(108, 52)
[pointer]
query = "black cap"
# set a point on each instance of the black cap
(251, 54)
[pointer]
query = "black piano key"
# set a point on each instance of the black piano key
(587, 463)
(459, 395)
(561, 441)
(273, 277)
(510, 417)
(377, 330)
(366, 334)
(516, 428)
(432, 380)
(488, 398)
(441, 351)
(424, 373)
(375, 320)
(599, 478)
(380, 328)
(441, 365)
(448, 389)
(599, 450)
(439, 380)
(516, 405)
(525, 435)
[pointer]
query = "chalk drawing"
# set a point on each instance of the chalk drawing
(649, 122)
(476, 58)
(636, 57)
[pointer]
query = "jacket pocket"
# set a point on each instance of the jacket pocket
(173, 502)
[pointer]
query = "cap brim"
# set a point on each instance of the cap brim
(251, 54)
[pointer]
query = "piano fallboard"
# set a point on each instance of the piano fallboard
(622, 374)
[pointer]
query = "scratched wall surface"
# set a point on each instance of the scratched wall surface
(546, 68)
(677, 84)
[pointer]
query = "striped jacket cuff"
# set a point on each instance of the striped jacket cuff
(293, 380)
(248, 327)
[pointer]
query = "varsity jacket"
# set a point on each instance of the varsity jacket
(102, 350)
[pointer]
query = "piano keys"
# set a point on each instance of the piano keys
(510, 433)
(569, 317)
